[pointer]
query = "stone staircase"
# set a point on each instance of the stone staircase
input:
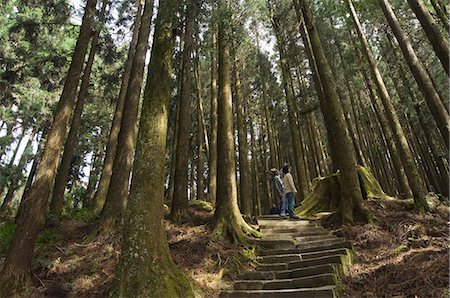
(296, 258)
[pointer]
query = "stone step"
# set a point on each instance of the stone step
(274, 244)
(312, 244)
(280, 230)
(327, 246)
(294, 273)
(279, 258)
(325, 291)
(296, 233)
(323, 253)
(291, 283)
(284, 223)
(331, 259)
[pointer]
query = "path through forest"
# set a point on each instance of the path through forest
(297, 258)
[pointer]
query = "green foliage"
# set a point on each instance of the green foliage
(6, 232)
(47, 236)
(83, 215)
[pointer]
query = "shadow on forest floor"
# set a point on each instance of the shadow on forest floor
(401, 254)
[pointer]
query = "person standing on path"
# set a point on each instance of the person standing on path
(281, 192)
(290, 191)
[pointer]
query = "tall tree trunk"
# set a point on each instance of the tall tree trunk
(245, 193)
(98, 202)
(146, 267)
(228, 221)
(171, 187)
(15, 276)
(93, 177)
(440, 44)
(435, 104)
(274, 163)
(116, 200)
(293, 125)
(57, 201)
(212, 179)
(202, 139)
(180, 195)
(441, 12)
(351, 196)
(415, 181)
(255, 174)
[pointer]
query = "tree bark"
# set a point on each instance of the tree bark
(212, 179)
(414, 179)
(15, 276)
(57, 201)
(441, 12)
(146, 267)
(116, 200)
(228, 221)
(293, 124)
(202, 139)
(351, 196)
(436, 106)
(245, 193)
(180, 196)
(98, 202)
(438, 42)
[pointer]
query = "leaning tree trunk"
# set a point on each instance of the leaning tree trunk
(200, 136)
(113, 211)
(212, 179)
(435, 104)
(440, 45)
(180, 200)
(228, 221)
(146, 267)
(415, 181)
(441, 12)
(57, 201)
(15, 276)
(351, 197)
(96, 205)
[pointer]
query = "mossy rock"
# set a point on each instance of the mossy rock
(201, 205)
(325, 196)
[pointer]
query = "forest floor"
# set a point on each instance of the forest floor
(65, 267)
(401, 254)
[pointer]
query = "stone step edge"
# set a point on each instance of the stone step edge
(277, 273)
(269, 281)
(270, 252)
(231, 291)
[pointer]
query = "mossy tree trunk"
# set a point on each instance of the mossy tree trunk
(57, 201)
(430, 94)
(228, 221)
(15, 275)
(113, 212)
(351, 197)
(180, 200)
(212, 177)
(414, 179)
(96, 205)
(146, 267)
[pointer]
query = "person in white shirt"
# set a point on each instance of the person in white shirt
(290, 190)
